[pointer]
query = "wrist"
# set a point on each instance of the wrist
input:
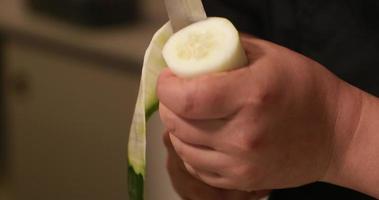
(354, 163)
(348, 111)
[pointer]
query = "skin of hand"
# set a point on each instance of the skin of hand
(282, 121)
(191, 188)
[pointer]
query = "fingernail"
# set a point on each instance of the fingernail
(190, 169)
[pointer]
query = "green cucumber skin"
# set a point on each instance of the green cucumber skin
(153, 108)
(136, 181)
(135, 184)
(153, 64)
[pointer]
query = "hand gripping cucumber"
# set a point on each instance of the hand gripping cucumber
(208, 46)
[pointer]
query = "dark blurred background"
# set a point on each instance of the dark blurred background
(90, 12)
(69, 75)
(2, 120)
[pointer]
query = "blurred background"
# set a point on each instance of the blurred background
(69, 74)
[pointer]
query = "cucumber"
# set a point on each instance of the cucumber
(208, 46)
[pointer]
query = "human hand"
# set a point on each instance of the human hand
(188, 187)
(269, 125)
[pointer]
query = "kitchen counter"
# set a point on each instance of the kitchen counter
(122, 45)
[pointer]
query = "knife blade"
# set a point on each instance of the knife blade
(184, 12)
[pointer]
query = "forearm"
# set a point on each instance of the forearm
(356, 161)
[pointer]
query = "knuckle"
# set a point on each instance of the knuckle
(199, 95)
(212, 99)
(246, 142)
(188, 104)
(168, 118)
(260, 98)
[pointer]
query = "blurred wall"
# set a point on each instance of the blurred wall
(3, 137)
(70, 99)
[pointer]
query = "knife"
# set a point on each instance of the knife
(184, 12)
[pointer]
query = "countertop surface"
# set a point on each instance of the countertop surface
(124, 43)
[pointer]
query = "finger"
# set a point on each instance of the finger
(210, 178)
(184, 184)
(189, 187)
(216, 181)
(219, 135)
(173, 160)
(201, 158)
(190, 169)
(206, 97)
(167, 142)
(194, 172)
(195, 132)
(227, 194)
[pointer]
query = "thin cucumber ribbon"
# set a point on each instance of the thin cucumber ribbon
(147, 103)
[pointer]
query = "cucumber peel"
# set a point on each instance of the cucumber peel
(147, 104)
